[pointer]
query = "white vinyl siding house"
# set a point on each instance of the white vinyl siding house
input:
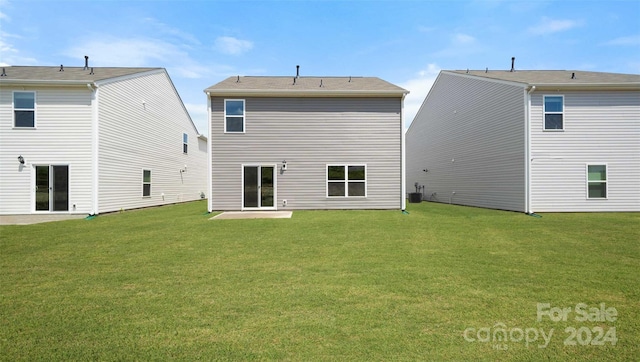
(292, 136)
(94, 132)
(469, 137)
(601, 128)
(526, 140)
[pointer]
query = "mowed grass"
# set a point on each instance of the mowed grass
(168, 284)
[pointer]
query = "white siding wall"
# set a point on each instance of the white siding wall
(62, 136)
(141, 122)
(310, 133)
(599, 127)
(469, 135)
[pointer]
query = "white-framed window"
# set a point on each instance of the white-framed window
(185, 143)
(597, 181)
(234, 115)
(24, 109)
(146, 183)
(346, 181)
(553, 113)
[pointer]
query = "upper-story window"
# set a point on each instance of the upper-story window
(553, 112)
(234, 116)
(24, 109)
(185, 143)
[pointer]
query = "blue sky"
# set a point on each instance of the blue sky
(404, 42)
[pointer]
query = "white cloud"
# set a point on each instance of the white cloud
(419, 88)
(633, 40)
(11, 55)
(462, 39)
(123, 52)
(460, 45)
(232, 46)
(198, 113)
(550, 26)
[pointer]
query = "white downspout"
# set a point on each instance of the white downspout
(209, 155)
(403, 155)
(528, 159)
(95, 209)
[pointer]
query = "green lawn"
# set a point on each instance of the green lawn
(167, 283)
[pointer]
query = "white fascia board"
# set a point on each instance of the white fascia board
(586, 86)
(50, 83)
(303, 93)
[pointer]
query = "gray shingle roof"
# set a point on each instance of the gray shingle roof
(557, 77)
(70, 74)
(318, 86)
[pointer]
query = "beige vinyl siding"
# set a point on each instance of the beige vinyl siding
(310, 133)
(141, 123)
(62, 137)
(599, 128)
(470, 136)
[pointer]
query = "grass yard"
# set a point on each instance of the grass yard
(441, 283)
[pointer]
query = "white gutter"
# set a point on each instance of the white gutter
(302, 93)
(527, 141)
(95, 209)
(209, 156)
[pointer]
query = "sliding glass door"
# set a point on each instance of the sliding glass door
(52, 188)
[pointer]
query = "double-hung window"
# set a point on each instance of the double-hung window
(234, 116)
(597, 181)
(146, 183)
(24, 109)
(553, 113)
(346, 181)
(185, 143)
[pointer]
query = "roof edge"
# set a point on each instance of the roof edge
(304, 93)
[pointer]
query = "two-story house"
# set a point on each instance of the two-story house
(305, 143)
(529, 141)
(90, 140)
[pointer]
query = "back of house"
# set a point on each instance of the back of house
(88, 140)
(305, 143)
(530, 141)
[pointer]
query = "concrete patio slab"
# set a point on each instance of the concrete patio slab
(228, 215)
(29, 219)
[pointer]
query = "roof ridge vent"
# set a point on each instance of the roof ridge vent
(61, 68)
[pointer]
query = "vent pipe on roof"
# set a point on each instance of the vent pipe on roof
(349, 79)
(321, 83)
(573, 75)
(486, 70)
(61, 68)
(4, 72)
(91, 72)
(86, 62)
(297, 71)
(238, 79)
(294, 80)
(513, 64)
